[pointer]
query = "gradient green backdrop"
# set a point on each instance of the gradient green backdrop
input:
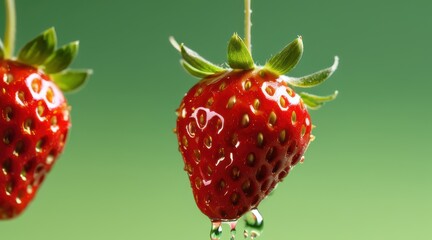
(367, 175)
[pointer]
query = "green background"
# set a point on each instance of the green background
(367, 175)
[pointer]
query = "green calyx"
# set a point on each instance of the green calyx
(42, 52)
(240, 58)
(314, 101)
(287, 59)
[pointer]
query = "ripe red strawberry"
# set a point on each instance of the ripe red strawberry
(241, 130)
(34, 119)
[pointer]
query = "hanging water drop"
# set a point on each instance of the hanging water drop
(254, 224)
(216, 230)
(233, 230)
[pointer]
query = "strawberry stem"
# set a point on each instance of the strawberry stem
(248, 24)
(9, 37)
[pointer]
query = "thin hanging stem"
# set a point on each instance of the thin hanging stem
(248, 24)
(10, 31)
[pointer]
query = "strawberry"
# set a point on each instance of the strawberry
(35, 118)
(242, 129)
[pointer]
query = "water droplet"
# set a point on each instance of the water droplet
(216, 230)
(302, 159)
(233, 229)
(254, 224)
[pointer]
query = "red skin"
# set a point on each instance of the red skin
(34, 123)
(225, 183)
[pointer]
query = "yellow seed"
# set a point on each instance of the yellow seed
(283, 102)
(40, 110)
(247, 85)
(198, 92)
(184, 142)
(8, 78)
(235, 173)
(54, 121)
(208, 142)
(188, 168)
(245, 120)
(36, 85)
(272, 118)
(270, 91)
(27, 126)
(39, 145)
(201, 119)
(250, 160)
(293, 117)
(290, 91)
(303, 130)
(198, 183)
(282, 136)
(222, 86)
(219, 124)
(210, 101)
(191, 129)
(50, 95)
(21, 97)
(231, 102)
(197, 154)
(260, 139)
(256, 104)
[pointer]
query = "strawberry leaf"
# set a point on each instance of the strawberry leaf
(286, 59)
(70, 80)
(239, 56)
(193, 71)
(39, 49)
(194, 60)
(61, 58)
(314, 78)
(314, 101)
(198, 62)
